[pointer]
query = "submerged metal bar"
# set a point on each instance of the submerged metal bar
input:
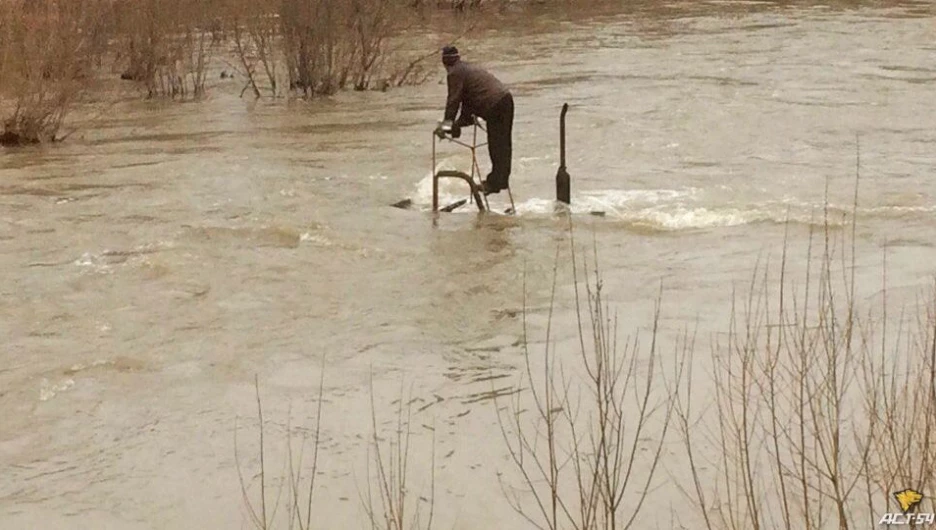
(454, 205)
(449, 173)
(435, 181)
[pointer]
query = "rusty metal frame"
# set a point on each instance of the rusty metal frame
(475, 186)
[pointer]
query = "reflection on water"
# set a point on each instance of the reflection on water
(159, 258)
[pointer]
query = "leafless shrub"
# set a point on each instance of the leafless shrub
(821, 413)
(321, 47)
(167, 44)
(577, 454)
(299, 490)
(371, 23)
(256, 33)
(319, 55)
(390, 459)
(199, 39)
(47, 52)
(412, 72)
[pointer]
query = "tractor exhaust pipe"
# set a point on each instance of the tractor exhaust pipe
(563, 185)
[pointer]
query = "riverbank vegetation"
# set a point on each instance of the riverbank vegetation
(51, 53)
(48, 54)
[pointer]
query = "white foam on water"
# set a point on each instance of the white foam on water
(318, 239)
(806, 212)
(86, 260)
(669, 209)
(688, 218)
(103, 262)
(659, 218)
(450, 190)
(48, 390)
(618, 201)
(93, 262)
(538, 207)
(79, 367)
(685, 209)
(611, 202)
(899, 210)
(621, 197)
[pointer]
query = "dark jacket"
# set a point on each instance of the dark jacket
(476, 90)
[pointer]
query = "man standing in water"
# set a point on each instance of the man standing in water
(480, 94)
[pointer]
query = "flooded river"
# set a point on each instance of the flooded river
(166, 253)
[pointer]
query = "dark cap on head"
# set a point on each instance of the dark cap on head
(450, 55)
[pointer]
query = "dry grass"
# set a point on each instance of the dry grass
(588, 450)
(396, 507)
(821, 410)
(388, 501)
(262, 504)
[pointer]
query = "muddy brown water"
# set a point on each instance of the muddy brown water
(165, 254)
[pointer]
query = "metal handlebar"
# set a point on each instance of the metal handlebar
(475, 187)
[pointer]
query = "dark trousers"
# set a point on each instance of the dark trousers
(499, 132)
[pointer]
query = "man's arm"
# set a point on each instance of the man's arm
(456, 87)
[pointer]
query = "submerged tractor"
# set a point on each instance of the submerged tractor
(473, 177)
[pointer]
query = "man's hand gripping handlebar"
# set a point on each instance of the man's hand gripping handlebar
(447, 128)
